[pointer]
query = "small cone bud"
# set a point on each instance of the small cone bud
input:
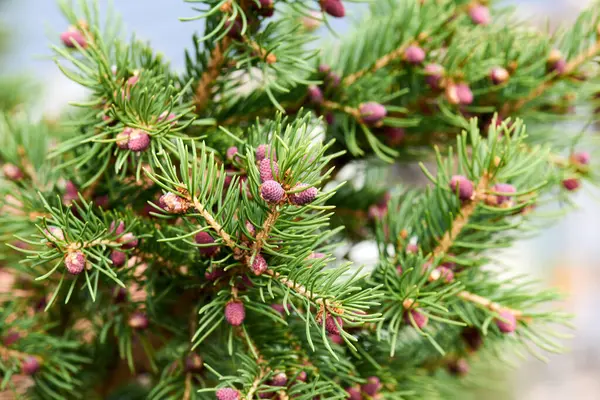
(72, 36)
(264, 151)
(330, 324)
(433, 75)
(305, 196)
(129, 241)
(118, 258)
(506, 322)
(30, 365)
(420, 319)
(11, 338)
(167, 117)
(504, 197)
(459, 367)
(279, 379)
(414, 55)
(173, 203)
(353, 393)
(138, 321)
(118, 229)
(480, 15)
(311, 22)
(12, 172)
(54, 234)
(442, 273)
(394, 136)
(571, 184)
(123, 138)
(463, 186)
(235, 313)
(372, 113)
(302, 376)
(581, 158)
(337, 339)
(193, 363)
(227, 394)
(315, 96)
(259, 265)
(271, 192)
(75, 262)
(268, 170)
(205, 238)
(499, 75)
(139, 140)
(279, 308)
(335, 8)
(231, 152)
(372, 386)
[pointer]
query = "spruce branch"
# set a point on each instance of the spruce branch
(462, 219)
(382, 62)
(487, 303)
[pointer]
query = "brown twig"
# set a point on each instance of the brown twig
(8, 353)
(487, 303)
(212, 72)
(380, 63)
(336, 106)
(216, 227)
(467, 209)
(263, 235)
(570, 68)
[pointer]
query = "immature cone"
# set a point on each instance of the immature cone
(372, 386)
(420, 320)
(472, 338)
(315, 95)
(264, 151)
(279, 379)
(266, 8)
(443, 273)
(129, 241)
(571, 184)
(235, 313)
(505, 189)
(462, 185)
(580, 158)
(139, 140)
(556, 62)
(259, 265)
(337, 339)
(173, 203)
(170, 117)
(507, 322)
(399, 269)
(118, 258)
(214, 274)
(71, 193)
(305, 196)
(330, 324)
(279, 308)
(499, 75)
(311, 22)
(414, 55)
(205, 238)
(302, 376)
(480, 15)
(394, 136)
(353, 393)
(227, 394)
(433, 75)
(193, 363)
(123, 138)
(271, 192)
(118, 229)
(459, 367)
(335, 8)
(54, 233)
(30, 365)
(138, 321)
(12, 172)
(231, 152)
(11, 338)
(268, 170)
(72, 36)
(372, 113)
(75, 262)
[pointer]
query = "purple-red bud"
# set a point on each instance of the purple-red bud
(571, 184)
(433, 75)
(305, 196)
(123, 138)
(315, 95)
(394, 136)
(173, 203)
(259, 265)
(227, 394)
(335, 8)
(268, 170)
(138, 321)
(193, 363)
(235, 313)
(499, 75)
(30, 365)
(480, 15)
(353, 393)
(372, 113)
(506, 321)
(420, 319)
(72, 36)
(75, 262)
(205, 238)
(271, 192)
(118, 258)
(463, 186)
(12, 172)
(414, 55)
(129, 241)
(372, 386)
(139, 140)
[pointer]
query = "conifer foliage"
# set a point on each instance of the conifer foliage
(184, 235)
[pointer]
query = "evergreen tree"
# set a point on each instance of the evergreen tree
(173, 237)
